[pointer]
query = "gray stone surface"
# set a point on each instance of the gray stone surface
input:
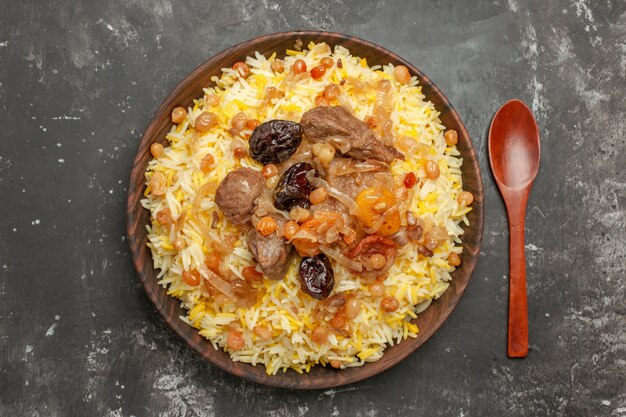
(79, 82)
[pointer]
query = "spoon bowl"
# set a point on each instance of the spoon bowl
(514, 149)
(514, 155)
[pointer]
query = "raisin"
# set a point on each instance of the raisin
(275, 141)
(293, 188)
(317, 278)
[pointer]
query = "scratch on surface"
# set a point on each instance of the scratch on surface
(28, 350)
(36, 58)
(529, 42)
(122, 30)
(533, 248)
(332, 392)
(50, 330)
(65, 118)
(582, 9)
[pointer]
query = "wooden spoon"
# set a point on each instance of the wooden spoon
(514, 153)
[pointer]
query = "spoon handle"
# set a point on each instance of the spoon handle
(518, 307)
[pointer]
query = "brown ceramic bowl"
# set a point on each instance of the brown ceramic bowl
(319, 377)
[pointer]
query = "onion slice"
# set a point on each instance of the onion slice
(342, 259)
(345, 166)
(335, 193)
(180, 222)
(201, 194)
(217, 282)
(400, 237)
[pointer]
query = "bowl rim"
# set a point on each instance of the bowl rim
(277, 380)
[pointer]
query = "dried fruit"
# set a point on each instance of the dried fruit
(317, 278)
(373, 204)
(410, 180)
(275, 141)
(293, 188)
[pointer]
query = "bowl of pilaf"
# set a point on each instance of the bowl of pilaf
(305, 209)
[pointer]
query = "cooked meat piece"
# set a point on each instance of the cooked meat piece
(350, 176)
(237, 193)
(349, 135)
(273, 253)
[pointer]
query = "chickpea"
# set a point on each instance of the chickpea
(164, 217)
(327, 62)
(235, 340)
(298, 67)
(452, 137)
(180, 244)
(318, 72)
(331, 91)
(239, 153)
(272, 182)
(401, 74)
(266, 226)
(352, 308)
(277, 66)
(454, 259)
(377, 261)
(263, 332)
(291, 228)
(157, 151)
(191, 277)
(205, 121)
(178, 114)
(383, 277)
(318, 196)
(324, 152)
(377, 289)
(465, 198)
(207, 163)
(157, 183)
(269, 170)
(242, 69)
(406, 143)
(251, 124)
(239, 121)
(213, 261)
(321, 101)
(319, 335)
(212, 100)
(389, 304)
(432, 170)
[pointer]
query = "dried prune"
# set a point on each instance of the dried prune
(275, 141)
(316, 276)
(293, 188)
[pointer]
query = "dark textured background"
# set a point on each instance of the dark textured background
(79, 83)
